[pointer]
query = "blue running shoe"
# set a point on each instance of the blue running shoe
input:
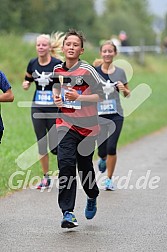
(90, 209)
(102, 165)
(69, 220)
(109, 186)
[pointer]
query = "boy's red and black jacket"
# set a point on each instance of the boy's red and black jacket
(81, 77)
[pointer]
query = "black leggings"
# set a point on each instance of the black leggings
(108, 137)
(45, 130)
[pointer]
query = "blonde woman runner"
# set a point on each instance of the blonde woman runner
(39, 71)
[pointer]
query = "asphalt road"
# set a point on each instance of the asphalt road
(132, 218)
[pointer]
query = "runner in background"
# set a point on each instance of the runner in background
(5, 96)
(39, 70)
(110, 110)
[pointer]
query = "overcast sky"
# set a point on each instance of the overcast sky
(158, 7)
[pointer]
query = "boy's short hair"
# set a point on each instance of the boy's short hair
(74, 32)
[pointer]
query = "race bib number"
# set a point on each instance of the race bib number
(107, 107)
(70, 104)
(44, 97)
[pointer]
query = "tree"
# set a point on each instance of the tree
(131, 16)
(46, 16)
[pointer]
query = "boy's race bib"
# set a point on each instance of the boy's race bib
(70, 104)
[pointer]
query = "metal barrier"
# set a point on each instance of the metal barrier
(139, 51)
(134, 49)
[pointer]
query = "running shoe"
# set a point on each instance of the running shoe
(69, 220)
(109, 186)
(91, 208)
(102, 165)
(45, 183)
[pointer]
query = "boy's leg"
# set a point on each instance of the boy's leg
(87, 176)
(86, 169)
(67, 170)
